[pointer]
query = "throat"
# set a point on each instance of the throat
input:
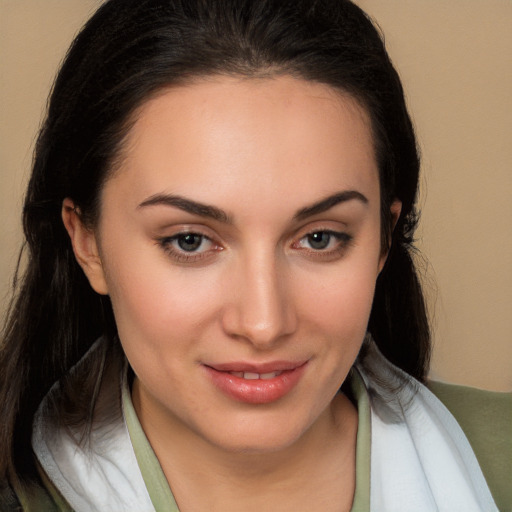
(315, 473)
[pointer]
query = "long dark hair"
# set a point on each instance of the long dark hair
(129, 50)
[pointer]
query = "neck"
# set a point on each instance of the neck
(320, 465)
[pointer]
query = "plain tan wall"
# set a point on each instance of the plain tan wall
(455, 59)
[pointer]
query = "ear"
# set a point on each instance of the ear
(85, 247)
(396, 208)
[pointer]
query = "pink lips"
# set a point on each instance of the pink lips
(256, 383)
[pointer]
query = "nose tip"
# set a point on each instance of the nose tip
(262, 333)
(260, 310)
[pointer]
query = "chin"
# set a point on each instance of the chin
(259, 435)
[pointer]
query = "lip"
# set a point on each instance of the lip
(257, 391)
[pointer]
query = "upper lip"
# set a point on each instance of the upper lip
(268, 367)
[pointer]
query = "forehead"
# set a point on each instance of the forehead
(220, 135)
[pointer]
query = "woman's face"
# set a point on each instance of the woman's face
(240, 245)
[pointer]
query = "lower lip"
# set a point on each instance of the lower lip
(257, 391)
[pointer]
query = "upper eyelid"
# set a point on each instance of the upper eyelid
(324, 230)
(318, 226)
(189, 229)
(342, 236)
(185, 233)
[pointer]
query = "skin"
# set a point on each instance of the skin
(256, 289)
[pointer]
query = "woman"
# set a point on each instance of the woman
(220, 298)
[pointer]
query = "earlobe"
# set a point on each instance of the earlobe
(396, 209)
(85, 247)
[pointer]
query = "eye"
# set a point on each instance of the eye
(320, 240)
(190, 242)
(324, 240)
(189, 247)
(323, 245)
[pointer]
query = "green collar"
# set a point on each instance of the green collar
(154, 478)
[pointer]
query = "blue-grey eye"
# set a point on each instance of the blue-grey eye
(189, 242)
(319, 240)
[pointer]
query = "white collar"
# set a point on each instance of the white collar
(421, 460)
(102, 473)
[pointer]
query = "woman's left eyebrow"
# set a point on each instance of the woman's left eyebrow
(329, 202)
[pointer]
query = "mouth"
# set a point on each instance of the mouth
(256, 384)
(256, 376)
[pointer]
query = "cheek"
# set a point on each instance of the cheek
(155, 303)
(341, 302)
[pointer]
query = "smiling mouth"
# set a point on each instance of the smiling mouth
(256, 384)
(256, 376)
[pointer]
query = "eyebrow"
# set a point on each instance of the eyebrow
(213, 212)
(187, 205)
(329, 202)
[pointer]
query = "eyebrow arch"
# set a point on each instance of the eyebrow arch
(329, 202)
(187, 205)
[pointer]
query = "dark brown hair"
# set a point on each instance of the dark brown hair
(129, 50)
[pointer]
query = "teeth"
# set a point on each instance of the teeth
(255, 376)
(271, 375)
(251, 376)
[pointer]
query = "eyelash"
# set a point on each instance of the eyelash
(342, 239)
(182, 256)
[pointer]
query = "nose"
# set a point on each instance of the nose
(261, 308)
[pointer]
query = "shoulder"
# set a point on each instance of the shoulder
(486, 419)
(485, 416)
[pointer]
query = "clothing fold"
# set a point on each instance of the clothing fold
(420, 458)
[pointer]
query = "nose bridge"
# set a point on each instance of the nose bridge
(261, 309)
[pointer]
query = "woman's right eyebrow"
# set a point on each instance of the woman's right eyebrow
(189, 206)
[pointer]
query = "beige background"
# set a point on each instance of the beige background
(455, 58)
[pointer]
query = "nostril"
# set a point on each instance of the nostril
(262, 326)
